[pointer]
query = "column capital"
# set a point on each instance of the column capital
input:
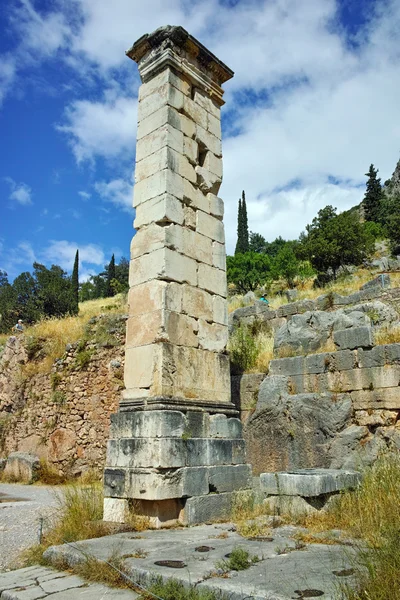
(172, 46)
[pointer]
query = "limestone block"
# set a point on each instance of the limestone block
(165, 158)
(219, 256)
(375, 418)
(114, 477)
(211, 507)
(164, 264)
(220, 310)
(376, 357)
(309, 482)
(149, 296)
(23, 467)
(143, 361)
(189, 217)
(208, 140)
(244, 390)
(207, 181)
(209, 452)
(385, 398)
(214, 125)
(315, 363)
(195, 245)
(238, 452)
(213, 164)
(194, 197)
(187, 126)
(165, 136)
(161, 182)
(190, 149)
(151, 484)
(195, 112)
(152, 423)
(197, 424)
(216, 205)
(164, 208)
(393, 353)
(213, 280)
(210, 227)
(147, 239)
(230, 478)
(166, 76)
(197, 303)
(218, 426)
(160, 326)
(164, 95)
(287, 366)
(206, 102)
(369, 379)
(164, 116)
(212, 336)
(115, 510)
(354, 337)
(344, 360)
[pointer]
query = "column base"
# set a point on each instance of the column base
(164, 403)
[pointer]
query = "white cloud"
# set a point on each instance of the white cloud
(117, 191)
(84, 195)
(21, 193)
(104, 128)
(7, 75)
(62, 252)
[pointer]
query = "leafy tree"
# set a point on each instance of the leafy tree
(111, 275)
(122, 274)
(286, 265)
(374, 196)
(248, 271)
(75, 281)
(393, 224)
(8, 312)
(335, 240)
(273, 248)
(54, 291)
(257, 242)
(26, 301)
(242, 244)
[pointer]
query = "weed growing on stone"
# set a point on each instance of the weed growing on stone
(238, 560)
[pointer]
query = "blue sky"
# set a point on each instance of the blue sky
(314, 101)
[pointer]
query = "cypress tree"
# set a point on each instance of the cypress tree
(75, 282)
(242, 244)
(110, 276)
(373, 196)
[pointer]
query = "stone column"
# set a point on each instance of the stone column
(176, 435)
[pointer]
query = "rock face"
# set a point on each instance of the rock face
(382, 281)
(330, 410)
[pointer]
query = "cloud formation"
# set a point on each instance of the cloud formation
(21, 193)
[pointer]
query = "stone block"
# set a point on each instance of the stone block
(165, 136)
(144, 360)
(165, 158)
(244, 390)
(229, 478)
(287, 366)
(212, 280)
(197, 303)
(210, 227)
(375, 418)
(343, 360)
(354, 337)
(371, 378)
(213, 164)
(385, 398)
(164, 95)
(212, 507)
(114, 477)
(23, 467)
(190, 149)
(167, 76)
(207, 181)
(164, 116)
(197, 424)
(195, 112)
(187, 126)
(208, 140)
(162, 326)
(164, 264)
(149, 296)
(194, 197)
(219, 256)
(218, 426)
(376, 357)
(392, 353)
(162, 209)
(309, 482)
(154, 424)
(189, 217)
(212, 336)
(214, 125)
(115, 510)
(153, 484)
(315, 363)
(219, 310)
(216, 205)
(206, 103)
(161, 182)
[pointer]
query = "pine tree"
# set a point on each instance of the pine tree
(242, 244)
(374, 196)
(110, 277)
(75, 281)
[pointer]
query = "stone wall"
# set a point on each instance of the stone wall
(63, 416)
(331, 410)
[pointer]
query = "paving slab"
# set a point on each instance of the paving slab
(282, 569)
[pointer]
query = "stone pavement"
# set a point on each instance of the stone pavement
(37, 582)
(283, 572)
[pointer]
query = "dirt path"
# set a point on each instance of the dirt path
(21, 507)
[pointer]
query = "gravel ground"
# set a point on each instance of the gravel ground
(19, 520)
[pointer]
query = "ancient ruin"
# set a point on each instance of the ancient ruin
(176, 444)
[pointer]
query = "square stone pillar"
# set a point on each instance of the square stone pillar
(176, 423)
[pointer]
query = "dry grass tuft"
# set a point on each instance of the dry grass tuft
(387, 335)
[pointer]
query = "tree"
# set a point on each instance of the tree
(242, 244)
(393, 224)
(26, 300)
(335, 240)
(374, 196)
(54, 291)
(8, 313)
(110, 277)
(75, 282)
(286, 265)
(248, 270)
(257, 242)
(122, 274)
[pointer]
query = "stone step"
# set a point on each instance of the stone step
(33, 583)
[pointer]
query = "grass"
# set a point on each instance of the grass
(238, 560)
(250, 350)
(387, 335)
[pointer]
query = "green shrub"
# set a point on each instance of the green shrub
(239, 560)
(59, 397)
(83, 358)
(243, 350)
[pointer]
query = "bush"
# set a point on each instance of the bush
(243, 350)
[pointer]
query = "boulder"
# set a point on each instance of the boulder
(250, 297)
(382, 281)
(291, 295)
(22, 466)
(306, 332)
(378, 312)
